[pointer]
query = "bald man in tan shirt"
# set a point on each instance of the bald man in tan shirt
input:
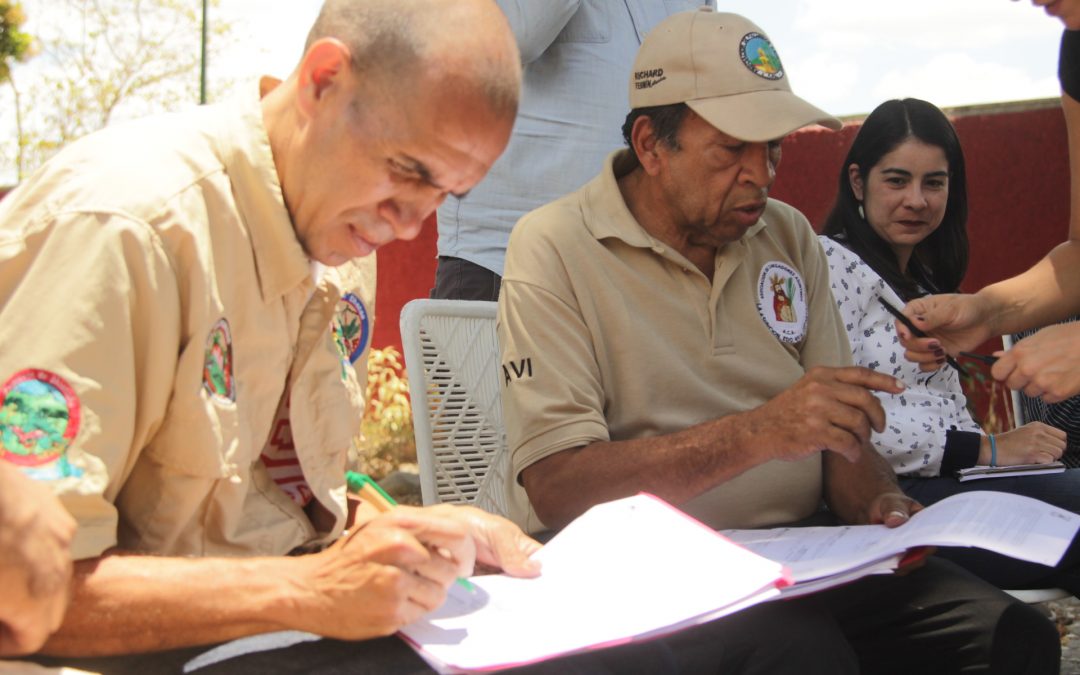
(185, 306)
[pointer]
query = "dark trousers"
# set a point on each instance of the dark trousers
(937, 619)
(457, 279)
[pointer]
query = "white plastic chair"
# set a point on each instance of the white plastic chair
(1034, 595)
(1019, 418)
(452, 360)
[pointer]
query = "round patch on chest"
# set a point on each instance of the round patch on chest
(218, 377)
(351, 327)
(781, 301)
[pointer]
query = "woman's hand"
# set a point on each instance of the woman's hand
(1033, 443)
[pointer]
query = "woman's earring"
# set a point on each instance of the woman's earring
(862, 214)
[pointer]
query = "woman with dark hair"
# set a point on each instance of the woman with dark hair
(1047, 364)
(896, 232)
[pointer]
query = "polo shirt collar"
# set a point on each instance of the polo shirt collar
(607, 215)
(605, 211)
(244, 146)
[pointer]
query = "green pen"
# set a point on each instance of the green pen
(361, 484)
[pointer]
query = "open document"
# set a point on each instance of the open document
(627, 569)
(819, 557)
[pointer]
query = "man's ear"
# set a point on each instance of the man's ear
(646, 144)
(325, 64)
(855, 179)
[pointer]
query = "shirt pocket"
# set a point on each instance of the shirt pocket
(326, 410)
(590, 24)
(201, 439)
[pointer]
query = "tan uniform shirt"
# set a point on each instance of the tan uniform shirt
(154, 302)
(608, 334)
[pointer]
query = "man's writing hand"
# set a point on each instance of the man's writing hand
(399, 565)
(389, 573)
(499, 542)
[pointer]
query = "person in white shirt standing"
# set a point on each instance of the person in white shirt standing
(576, 56)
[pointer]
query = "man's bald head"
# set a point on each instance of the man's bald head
(462, 43)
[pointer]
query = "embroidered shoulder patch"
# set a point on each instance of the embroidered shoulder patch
(218, 362)
(781, 301)
(39, 417)
(351, 327)
(759, 55)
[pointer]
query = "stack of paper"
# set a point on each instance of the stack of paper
(982, 471)
(820, 557)
(624, 570)
(637, 568)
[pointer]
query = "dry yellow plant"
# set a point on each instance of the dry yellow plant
(386, 438)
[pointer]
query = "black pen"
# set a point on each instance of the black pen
(985, 358)
(918, 332)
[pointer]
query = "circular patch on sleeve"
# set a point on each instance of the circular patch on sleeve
(759, 55)
(351, 327)
(218, 377)
(39, 416)
(782, 301)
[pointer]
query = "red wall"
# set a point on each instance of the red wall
(406, 270)
(1018, 184)
(1018, 187)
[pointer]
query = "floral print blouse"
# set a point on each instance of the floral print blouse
(916, 419)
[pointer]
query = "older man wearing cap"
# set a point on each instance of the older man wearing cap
(668, 328)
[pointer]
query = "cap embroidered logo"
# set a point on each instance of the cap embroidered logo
(758, 54)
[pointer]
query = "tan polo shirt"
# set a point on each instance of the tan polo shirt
(154, 301)
(608, 334)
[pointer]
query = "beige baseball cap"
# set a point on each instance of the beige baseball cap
(728, 72)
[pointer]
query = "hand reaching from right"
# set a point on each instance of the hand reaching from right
(954, 322)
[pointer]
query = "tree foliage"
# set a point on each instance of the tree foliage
(15, 45)
(106, 59)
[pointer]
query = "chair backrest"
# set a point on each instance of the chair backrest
(1064, 415)
(452, 360)
(1020, 417)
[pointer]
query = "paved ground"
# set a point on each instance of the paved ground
(1067, 614)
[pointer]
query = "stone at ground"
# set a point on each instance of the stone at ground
(403, 486)
(1067, 615)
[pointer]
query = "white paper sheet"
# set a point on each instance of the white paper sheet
(625, 569)
(1009, 524)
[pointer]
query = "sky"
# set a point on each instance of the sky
(845, 56)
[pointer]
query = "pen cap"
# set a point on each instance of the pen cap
(356, 482)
